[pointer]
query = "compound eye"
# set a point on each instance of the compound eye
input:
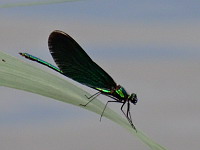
(134, 98)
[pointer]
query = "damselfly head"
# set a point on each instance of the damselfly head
(133, 98)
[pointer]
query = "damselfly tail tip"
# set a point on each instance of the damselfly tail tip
(20, 53)
(23, 54)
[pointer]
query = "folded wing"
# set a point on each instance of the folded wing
(74, 62)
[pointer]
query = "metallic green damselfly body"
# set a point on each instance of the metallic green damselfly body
(73, 62)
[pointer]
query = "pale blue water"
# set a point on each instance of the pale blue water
(151, 33)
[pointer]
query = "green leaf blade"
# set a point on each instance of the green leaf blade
(17, 74)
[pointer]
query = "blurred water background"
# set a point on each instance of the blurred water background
(151, 47)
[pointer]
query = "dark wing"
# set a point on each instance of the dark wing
(75, 63)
